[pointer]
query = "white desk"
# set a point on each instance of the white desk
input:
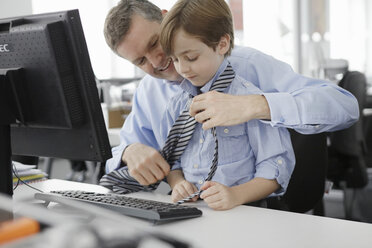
(244, 226)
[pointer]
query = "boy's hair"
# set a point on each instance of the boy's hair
(119, 19)
(207, 20)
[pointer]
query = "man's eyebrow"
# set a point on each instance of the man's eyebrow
(137, 60)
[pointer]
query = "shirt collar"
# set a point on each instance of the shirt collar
(187, 86)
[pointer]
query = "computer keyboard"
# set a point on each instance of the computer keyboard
(146, 209)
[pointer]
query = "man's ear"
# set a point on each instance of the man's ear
(164, 12)
(224, 44)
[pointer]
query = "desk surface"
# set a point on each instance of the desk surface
(242, 226)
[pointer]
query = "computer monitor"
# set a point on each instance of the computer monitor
(49, 104)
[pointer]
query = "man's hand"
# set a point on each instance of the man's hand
(182, 190)
(145, 164)
(218, 109)
(219, 196)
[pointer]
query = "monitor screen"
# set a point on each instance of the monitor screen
(49, 104)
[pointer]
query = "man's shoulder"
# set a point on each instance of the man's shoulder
(242, 86)
(247, 55)
(243, 52)
(149, 81)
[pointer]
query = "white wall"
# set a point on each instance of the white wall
(10, 8)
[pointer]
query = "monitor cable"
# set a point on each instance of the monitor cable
(15, 173)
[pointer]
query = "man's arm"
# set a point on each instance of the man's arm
(217, 109)
(305, 104)
(140, 137)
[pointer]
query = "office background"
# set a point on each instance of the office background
(307, 34)
(302, 33)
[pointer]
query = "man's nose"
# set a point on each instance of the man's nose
(156, 57)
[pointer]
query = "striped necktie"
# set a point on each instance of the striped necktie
(119, 181)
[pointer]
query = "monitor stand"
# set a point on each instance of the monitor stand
(6, 176)
(9, 109)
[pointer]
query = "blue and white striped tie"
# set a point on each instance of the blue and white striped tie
(178, 138)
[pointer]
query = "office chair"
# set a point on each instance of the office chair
(306, 186)
(347, 150)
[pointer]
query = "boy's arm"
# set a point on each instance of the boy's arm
(254, 190)
(174, 177)
(221, 197)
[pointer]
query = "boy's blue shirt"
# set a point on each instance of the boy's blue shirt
(245, 151)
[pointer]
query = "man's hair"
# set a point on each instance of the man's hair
(207, 20)
(119, 19)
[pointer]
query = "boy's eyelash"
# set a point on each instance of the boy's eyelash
(189, 59)
(154, 43)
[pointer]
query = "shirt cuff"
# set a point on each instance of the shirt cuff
(283, 109)
(116, 161)
(278, 171)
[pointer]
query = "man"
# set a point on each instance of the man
(290, 100)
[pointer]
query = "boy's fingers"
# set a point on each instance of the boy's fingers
(209, 192)
(206, 185)
(190, 188)
(212, 198)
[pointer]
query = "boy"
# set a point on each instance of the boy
(253, 160)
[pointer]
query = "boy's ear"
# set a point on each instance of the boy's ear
(224, 44)
(164, 12)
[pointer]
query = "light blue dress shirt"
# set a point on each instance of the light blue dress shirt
(304, 104)
(245, 151)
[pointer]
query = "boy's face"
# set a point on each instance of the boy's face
(141, 47)
(194, 60)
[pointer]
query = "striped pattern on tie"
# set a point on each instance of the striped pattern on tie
(178, 138)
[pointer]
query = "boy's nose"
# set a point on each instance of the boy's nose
(184, 68)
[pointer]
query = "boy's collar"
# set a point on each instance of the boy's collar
(187, 86)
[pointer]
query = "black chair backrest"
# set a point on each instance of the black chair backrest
(350, 141)
(306, 187)
(348, 147)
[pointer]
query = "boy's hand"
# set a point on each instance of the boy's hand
(182, 190)
(219, 196)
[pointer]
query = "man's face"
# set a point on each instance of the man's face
(141, 47)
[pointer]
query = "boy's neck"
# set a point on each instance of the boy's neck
(217, 73)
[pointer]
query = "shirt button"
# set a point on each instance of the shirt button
(226, 130)
(282, 119)
(247, 84)
(200, 181)
(196, 166)
(280, 161)
(201, 141)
